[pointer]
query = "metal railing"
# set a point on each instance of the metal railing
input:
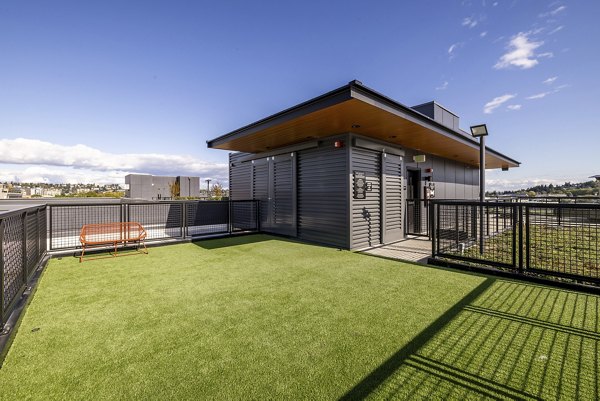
(546, 199)
(162, 220)
(26, 234)
(417, 217)
(552, 239)
(22, 247)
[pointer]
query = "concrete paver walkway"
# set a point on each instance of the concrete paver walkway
(412, 249)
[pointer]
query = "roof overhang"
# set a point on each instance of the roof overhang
(358, 109)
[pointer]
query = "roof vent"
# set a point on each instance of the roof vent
(438, 113)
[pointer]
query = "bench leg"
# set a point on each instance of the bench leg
(82, 253)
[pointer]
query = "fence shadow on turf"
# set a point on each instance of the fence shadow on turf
(236, 240)
(503, 340)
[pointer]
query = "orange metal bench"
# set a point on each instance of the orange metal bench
(94, 235)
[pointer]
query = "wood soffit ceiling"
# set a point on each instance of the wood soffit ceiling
(372, 122)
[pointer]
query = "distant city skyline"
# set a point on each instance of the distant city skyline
(94, 91)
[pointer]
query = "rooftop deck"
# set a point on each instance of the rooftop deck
(259, 317)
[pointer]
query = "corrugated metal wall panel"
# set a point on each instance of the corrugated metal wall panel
(240, 177)
(393, 207)
(322, 195)
(260, 189)
(366, 213)
(282, 202)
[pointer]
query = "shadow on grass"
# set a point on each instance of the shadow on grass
(502, 340)
(384, 371)
(236, 240)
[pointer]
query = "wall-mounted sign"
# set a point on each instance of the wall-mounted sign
(419, 158)
(360, 184)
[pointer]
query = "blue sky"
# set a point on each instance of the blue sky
(92, 90)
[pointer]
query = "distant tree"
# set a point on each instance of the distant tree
(217, 191)
(175, 189)
(531, 194)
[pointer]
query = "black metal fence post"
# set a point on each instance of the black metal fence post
(1, 274)
(432, 229)
(481, 228)
(520, 212)
(527, 238)
(24, 247)
(50, 225)
(515, 210)
(229, 217)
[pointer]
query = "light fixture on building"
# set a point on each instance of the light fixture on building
(479, 130)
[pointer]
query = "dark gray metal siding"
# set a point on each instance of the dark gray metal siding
(283, 216)
(393, 202)
(240, 177)
(366, 213)
(260, 189)
(452, 180)
(323, 195)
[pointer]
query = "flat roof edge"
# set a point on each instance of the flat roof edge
(328, 99)
(340, 95)
(409, 110)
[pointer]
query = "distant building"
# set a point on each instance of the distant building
(153, 187)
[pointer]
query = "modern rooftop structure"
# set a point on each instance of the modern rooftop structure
(353, 168)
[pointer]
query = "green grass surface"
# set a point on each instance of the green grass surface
(257, 317)
(565, 249)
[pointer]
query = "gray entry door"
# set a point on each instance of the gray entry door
(391, 198)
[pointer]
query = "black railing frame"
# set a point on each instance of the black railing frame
(125, 216)
(26, 268)
(521, 234)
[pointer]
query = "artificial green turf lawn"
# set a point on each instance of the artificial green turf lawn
(258, 317)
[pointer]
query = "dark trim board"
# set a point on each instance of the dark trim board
(334, 97)
(354, 90)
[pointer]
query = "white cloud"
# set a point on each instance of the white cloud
(81, 161)
(469, 22)
(549, 80)
(546, 54)
(557, 29)
(483, 34)
(453, 48)
(496, 102)
(555, 11)
(544, 94)
(520, 54)
(538, 96)
(514, 107)
(57, 174)
(442, 87)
